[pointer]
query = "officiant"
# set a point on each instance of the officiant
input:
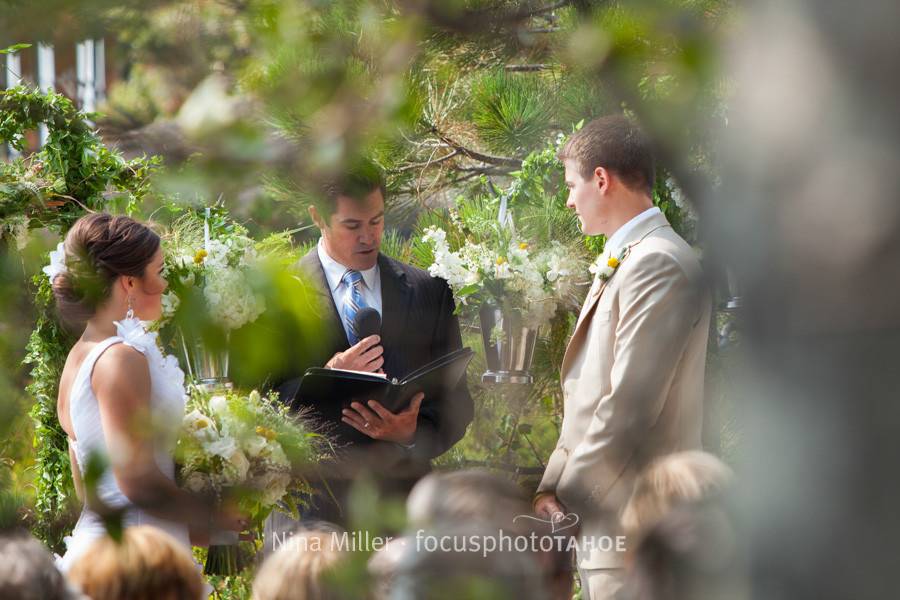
(417, 326)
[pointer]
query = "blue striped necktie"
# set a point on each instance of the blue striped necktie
(353, 303)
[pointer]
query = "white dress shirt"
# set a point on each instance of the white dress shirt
(334, 273)
(616, 240)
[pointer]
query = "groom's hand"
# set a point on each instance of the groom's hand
(548, 506)
(365, 355)
(381, 424)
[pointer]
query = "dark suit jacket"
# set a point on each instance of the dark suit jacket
(418, 326)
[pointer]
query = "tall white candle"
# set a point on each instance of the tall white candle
(206, 231)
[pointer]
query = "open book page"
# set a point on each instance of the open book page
(382, 375)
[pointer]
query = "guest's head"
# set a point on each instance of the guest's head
(384, 564)
(609, 172)
(443, 563)
(305, 567)
(466, 496)
(689, 554)
(672, 480)
(147, 564)
(112, 262)
(27, 571)
(349, 212)
(477, 505)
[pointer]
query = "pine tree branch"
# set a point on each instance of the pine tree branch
(527, 68)
(475, 155)
(427, 163)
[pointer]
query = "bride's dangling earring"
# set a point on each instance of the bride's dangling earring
(130, 314)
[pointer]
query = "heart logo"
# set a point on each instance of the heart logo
(558, 522)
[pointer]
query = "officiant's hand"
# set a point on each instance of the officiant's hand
(365, 355)
(381, 424)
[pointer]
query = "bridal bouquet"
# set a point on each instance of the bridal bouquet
(247, 447)
(244, 443)
(506, 271)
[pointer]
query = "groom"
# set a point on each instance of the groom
(632, 374)
(417, 326)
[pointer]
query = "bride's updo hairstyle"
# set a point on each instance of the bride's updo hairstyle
(98, 249)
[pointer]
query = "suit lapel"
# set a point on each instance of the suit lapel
(312, 266)
(590, 302)
(396, 302)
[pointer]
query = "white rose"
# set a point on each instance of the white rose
(237, 467)
(275, 454)
(197, 482)
(255, 445)
(274, 486)
(219, 405)
(224, 446)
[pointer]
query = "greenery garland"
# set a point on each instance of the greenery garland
(74, 173)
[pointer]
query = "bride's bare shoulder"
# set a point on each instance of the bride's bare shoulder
(121, 366)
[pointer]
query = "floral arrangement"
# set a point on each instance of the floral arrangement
(221, 272)
(506, 271)
(248, 444)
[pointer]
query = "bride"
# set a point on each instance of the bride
(119, 398)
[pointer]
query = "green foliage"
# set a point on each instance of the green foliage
(72, 173)
(54, 491)
(510, 110)
(14, 48)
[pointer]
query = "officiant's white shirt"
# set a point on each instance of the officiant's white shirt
(617, 240)
(334, 273)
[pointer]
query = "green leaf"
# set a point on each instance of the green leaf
(468, 290)
(14, 48)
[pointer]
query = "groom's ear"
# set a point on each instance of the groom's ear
(316, 217)
(602, 179)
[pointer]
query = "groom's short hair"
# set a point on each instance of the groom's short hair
(617, 144)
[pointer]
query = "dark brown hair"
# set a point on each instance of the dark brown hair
(617, 144)
(100, 248)
(357, 182)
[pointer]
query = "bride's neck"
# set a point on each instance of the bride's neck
(101, 325)
(97, 330)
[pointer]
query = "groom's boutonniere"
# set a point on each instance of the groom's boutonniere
(605, 270)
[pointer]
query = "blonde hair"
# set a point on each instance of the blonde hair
(301, 568)
(148, 564)
(671, 480)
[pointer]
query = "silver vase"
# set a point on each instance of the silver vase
(208, 369)
(508, 346)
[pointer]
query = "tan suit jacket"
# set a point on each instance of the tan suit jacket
(632, 380)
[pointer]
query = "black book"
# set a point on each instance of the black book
(323, 393)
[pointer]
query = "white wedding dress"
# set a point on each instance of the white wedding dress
(166, 412)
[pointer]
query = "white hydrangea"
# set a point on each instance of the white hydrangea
(170, 303)
(532, 281)
(217, 255)
(232, 302)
